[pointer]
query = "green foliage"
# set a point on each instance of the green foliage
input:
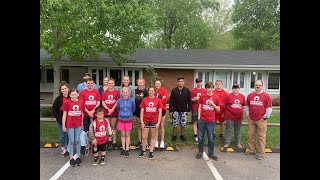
(46, 112)
(276, 101)
(257, 24)
(153, 75)
(223, 41)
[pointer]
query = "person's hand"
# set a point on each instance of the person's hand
(164, 97)
(94, 142)
(222, 116)
(142, 125)
(157, 125)
(188, 113)
(110, 111)
(64, 129)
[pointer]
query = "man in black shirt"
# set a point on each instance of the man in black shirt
(179, 108)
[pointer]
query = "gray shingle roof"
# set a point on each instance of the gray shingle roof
(197, 56)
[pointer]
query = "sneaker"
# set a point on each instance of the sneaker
(221, 137)
(138, 145)
(162, 144)
(214, 157)
(95, 162)
(156, 144)
(174, 138)
(72, 163)
(196, 139)
(122, 153)
(114, 146)
(239, 146)
(151, 156)
(65, 153)
(78, 161)
(182, 138)
(259, 157)
(199, 155)
(127, 153)
(103, 161)
(142, 154)
(226, 145)
(249, 152)
(109, 147)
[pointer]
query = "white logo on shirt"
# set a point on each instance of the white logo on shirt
(199, 94)
(150, 107)
(236, 104)
(75, 111)
(110, 100)
(102, 132)
(256, 101)
(207, 106)
(91, 101)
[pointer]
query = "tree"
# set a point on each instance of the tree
(85, 28)
(257, 24)
(180, 24)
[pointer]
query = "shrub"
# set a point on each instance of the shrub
(46, 112)
(276, 101)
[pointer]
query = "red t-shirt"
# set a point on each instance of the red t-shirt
(90, 99)
(74, 113)
(221, 94)
(110, 98)
(207, 111)
(234, 106)
(160, 93)
(257, 104)
(151, 106)
(196, 92)
(101, 131)
(64, 99)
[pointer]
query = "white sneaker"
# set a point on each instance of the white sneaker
(196, 139)
(161, 144)
(156, 144)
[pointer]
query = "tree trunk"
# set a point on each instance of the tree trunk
(56, 78)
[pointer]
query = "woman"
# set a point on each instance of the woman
(57, 112)
(150, 117)
(104, 86)
(126, 83)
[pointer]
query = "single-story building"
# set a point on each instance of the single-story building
(230, 66)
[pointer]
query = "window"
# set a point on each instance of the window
(134, 76)
(254, 76)
(221, 75)
(274, 81)
(65, 75)
(238, 79)
(204, 76)
(49, 73)
(116, 75)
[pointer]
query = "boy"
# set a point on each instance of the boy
(98, 130)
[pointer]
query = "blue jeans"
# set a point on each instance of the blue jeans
(63, 137)
(209, 127)
(74, 137)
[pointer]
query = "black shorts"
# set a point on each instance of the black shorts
(102, 147)
(164, 111)
(150, 124)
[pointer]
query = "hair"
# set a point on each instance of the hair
(72, 90)
(89, 79)
(98, 109)
(209, 85)
(125, 88)
(123, 78)
(141, 80)
(259, 80)
(180, 78)
(111, 79)
(218, 81)
(63, 83)
(198, 80)
(154, 88)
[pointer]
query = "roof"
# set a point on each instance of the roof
(196, 57)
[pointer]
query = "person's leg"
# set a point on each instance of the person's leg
(123, 140)
(78, 145)
(152, 141)
(252, 130)
(103, 148)
(175, 123)
(162, 124)
(61, 138)
(139, 132)
(127, 134)
(71, 142)
(210, 132)
(128, 127)
(86, 123)
(95, 152)
(237, 134)
(201, 129)
(183, 122)
(114, 121)
(262, 134)
(194, 121)
(145, 132)
(229, 126)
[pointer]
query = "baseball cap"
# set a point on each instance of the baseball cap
(235, 86)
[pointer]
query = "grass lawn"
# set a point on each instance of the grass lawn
(49, 133)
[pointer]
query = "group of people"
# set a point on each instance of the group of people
(102, 111)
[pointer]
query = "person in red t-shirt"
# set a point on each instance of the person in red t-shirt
(99, 130)
(162, 94)
(195, 96)
(150, 117)
(221, 93)
(109, 102)
(72, 123)
(234, 104)
(258, 109)
(209, 103)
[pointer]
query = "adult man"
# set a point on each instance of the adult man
(258, 109)
(83, 85)
(221, 93)
(234, 104)
(196, 93)
(179, 108)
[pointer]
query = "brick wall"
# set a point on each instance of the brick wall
(169, 76)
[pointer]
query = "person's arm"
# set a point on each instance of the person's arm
(159, 117)
(109, 128)
(64, 117)
(171, 101)
(91, 132)
(268, 113)
(133, 106)
(189, 101)
(141, 117)
(216, 106)
(55, 109)
(133, 93)
(199, 111)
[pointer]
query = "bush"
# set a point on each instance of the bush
(276, 101)
(46, 112)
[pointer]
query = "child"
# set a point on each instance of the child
(150, 117)
(72, 122)
(126, 107)
(98, 131)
